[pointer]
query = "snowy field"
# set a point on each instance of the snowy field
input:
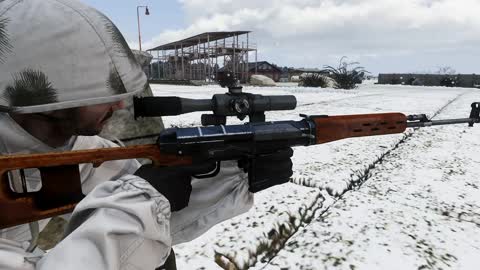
(404, 201)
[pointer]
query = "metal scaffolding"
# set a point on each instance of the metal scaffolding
(201, 57)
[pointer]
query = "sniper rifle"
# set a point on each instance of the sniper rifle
(213, 141)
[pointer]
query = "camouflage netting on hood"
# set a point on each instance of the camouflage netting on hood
(58, 54)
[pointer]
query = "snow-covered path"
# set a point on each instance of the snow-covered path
(420, 209)
(417, 210)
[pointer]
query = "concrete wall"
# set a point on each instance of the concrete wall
(463, 80)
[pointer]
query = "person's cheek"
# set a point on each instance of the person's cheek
(118, 105)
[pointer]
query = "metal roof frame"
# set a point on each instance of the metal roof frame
(200, 38)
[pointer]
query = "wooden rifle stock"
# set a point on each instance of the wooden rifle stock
(61, 187)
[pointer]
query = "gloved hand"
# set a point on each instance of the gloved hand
(174, 182)
(267, 170)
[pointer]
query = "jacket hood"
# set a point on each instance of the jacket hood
(58, 54)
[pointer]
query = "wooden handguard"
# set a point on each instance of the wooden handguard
(333, 128)
(61, 186)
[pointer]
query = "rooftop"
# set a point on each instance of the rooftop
(201, 38)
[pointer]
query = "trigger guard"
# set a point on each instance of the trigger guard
(211, 174)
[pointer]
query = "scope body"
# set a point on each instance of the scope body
(237, 104)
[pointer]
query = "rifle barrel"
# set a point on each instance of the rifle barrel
(441, 122)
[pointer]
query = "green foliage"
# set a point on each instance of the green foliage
(346, 76)
(314, 80)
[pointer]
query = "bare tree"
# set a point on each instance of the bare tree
(446, 70)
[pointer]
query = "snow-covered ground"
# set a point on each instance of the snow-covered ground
(404, 201)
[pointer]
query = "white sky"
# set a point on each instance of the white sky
(384, 35)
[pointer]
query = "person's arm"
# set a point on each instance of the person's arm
(14, 257)
(212, 201)
(121, 224)
(230, 193)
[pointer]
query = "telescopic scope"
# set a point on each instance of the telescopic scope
(237, 104)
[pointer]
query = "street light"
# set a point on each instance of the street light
(138, 20)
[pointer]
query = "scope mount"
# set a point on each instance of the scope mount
(234, 103)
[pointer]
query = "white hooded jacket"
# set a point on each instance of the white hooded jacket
(59, 54)
(123, 223)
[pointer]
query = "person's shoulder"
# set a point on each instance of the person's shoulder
(4, 118)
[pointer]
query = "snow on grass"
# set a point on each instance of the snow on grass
(411, 214)
(345, 230)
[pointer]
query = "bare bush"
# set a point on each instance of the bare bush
(446, 70)
(314, 80)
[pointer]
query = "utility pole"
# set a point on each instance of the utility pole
(147, 12)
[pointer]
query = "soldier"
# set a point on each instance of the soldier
(64, 70)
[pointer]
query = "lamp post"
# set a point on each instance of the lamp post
(138, 21)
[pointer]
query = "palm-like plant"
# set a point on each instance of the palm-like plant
(115, 83)
(344, 76)
(119, 42)
(30, 87)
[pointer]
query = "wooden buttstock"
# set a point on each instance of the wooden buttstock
(61, 187)
(333, 128)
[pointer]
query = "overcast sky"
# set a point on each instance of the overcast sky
(383, 35)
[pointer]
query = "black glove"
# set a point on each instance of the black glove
(267, 170)
(173, 182)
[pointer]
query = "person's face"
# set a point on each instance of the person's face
(55, 127)
(89, 120)
(85, 121)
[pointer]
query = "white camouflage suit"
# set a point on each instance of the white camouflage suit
(123, 222)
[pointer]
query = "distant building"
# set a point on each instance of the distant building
(266, 69)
